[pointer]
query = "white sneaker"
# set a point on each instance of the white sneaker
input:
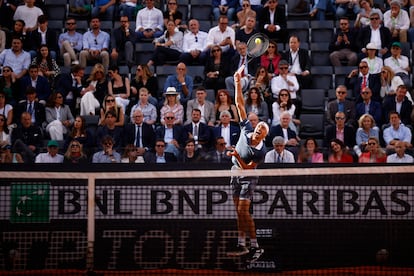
(254, 255)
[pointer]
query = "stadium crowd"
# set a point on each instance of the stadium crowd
(64, 97)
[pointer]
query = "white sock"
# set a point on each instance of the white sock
(253, 243)
(241, 241)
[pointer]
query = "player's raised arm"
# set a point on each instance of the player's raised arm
(239, 94)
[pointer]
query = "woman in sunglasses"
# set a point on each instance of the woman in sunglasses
(374, 153)
(74, 154)
(109, 103)
(216, 70)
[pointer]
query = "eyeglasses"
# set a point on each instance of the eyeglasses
(339, 118)
(110, 101)
(283, 68)
(363, 67)
(372, 144)
(169, 118)
(75, 146)
(284, 95)
(374, 18)
(160, 146)
(70, 23)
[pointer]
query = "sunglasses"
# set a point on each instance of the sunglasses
(374, 18)
(169, 118)
(341, 92)
(70, 23)
(262, 71)
(384, 72)
(160, 146)
(246, 5)
(6, 70)
(363, 67)
(365, 93)
(139, 69)
(124, 21)
(271, 46)
(372, 144)
(109, 101)
(75, 146)
(284, 95)
(339, 118)
(222, 144)
(283, 68)
(215, 50)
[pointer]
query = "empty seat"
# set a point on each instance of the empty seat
(298, 8)
(56, 9)
(311, 125)
(321, 31)
(201, 10)
(143, 52)
(320, 54)
(340, 74)
(313, 100)
(322, 77)
(299, 28)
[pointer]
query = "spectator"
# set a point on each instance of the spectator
(369, 106)
(339, 153)
(400, 104)
(389, 82)
(397, 21)
(40, 83)
(148, 110)
(271, 58)
(341, 131)
(51, 156)
(143, 78)
(272, 21)
(5, 138)
(139, 133)
(224, 8)
(299, 62)
(367, 129)
(282, 104)
(216, 70)
(218, 154)
(198, 131)
(342, 46)
(70, 85)
(70, 43)
(95, 91)
(262, 82)
(249, 29)
(18, 31)
(344, 7)
(149, 22)
(7, 9)
(374, 153)
(95, 45)
(172, 134)
(255, 104)
(172, 13)
(160, 156)
(43, 36)
(123, 41)
(6, 156)
(229, 132)
(108, 154)
(110, 129)
(6, 109)
(27, 138)
(286, 81)
(223, 103)
(245, 12)
(2, 40)
(399, 63)
(172, 104)
(374, 62)
(190, 154)
(309, 152)
(131, 155)
(253, 119)
(9, 85)
(29, 14)
(238, 60)
(357, 80)
(320, 8)
(110, 103)
(397, 131)
(48, 67)
(104, 9)
(375, 33)
(399, 156)
(363, 15)
(206, 107)
(168, 47)
(283, 129)
(16, 58)
(58, 117)
(223, 36)
(194, 43)
(80, 133)
(129, 8)
(33, 107)
(182, 82)
(119, 87)
(74, 154)
(279, 154)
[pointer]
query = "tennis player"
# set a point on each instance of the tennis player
(249, 152)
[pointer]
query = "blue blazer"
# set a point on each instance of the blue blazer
(277, 131)
(234, 133)
(42, 87)
(178, 134)
(375, 110)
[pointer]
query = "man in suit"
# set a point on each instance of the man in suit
(43, 35)
(70, 85)
(383, 41)
(299, 62)
(123, 43)
(218, 155)
(139, 133)
(229, 132)
(160, 156)
(400, 104)
(173, 135)
(33, 107)
(40, 83)
(283, 129)
(272, 21)
(340, 131)
(343, 105)
(198, 131)
(206, 107)
(359, 79)
(239, 59)
(369, 106)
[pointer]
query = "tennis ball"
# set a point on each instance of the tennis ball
(257, 41)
